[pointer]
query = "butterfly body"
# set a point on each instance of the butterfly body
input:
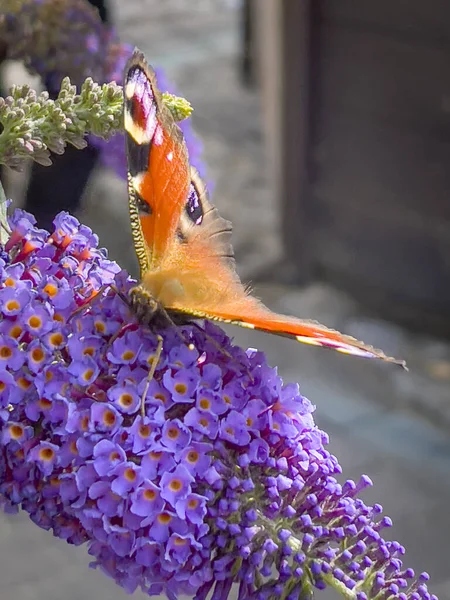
(182, 243)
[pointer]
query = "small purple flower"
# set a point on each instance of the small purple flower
(181, 385)
(124, 350)
(234, 429)
(57, 291)
(121, 540)
(143, 432)
(193, 508)
(16, 433)
(175, 485)
(164, 524)
(37, 319)
(157, 461)
(179, 547)
(157, 395)
(6, 389)
(202, 422)
(255, 414)
(37, 356)
(82, 347)
(10, 355)
(281, 423)
(182, 357)
(105, 418)
(147, 552)
(146, 500)
(107, 455)
(175, 435)
(13, 301)
(210, 401)
(196, 457)
(45, 456)
(107, 501)
(124, 398)
(84, 371)
(125, 476)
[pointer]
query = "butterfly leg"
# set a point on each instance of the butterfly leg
(151, 373)
(221, 349)
(90, 300)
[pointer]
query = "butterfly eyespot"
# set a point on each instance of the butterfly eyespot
(194, 209)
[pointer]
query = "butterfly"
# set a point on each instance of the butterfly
(182, 244)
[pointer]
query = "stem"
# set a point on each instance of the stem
(339, 587)
(4, 227)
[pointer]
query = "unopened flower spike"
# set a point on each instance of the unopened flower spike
(180, 108)
(31, 30)
(222, 480)
(33, 124)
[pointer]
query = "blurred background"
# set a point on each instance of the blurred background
(326, 135)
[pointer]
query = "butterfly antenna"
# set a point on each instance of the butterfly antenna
(151, 373)
(121, 295)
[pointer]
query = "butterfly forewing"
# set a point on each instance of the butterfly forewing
(183, 244)
(158, 165)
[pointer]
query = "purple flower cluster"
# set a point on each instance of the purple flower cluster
(55, 39)
(86, 47)
(223, 477)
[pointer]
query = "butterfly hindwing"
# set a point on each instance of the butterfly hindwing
(183, 244)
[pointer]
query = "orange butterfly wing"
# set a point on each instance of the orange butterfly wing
(190, 265)
(158, 164)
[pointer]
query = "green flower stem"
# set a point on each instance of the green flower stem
(34, 125)
(4, 227)
(340, 587)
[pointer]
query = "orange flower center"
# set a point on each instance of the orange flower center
(37, 354)
(173, 433)
(164, 518)
(205, 404)
(5, 352)
(15, 332)
(16, 431)
(56, 339)
(12, 305)
(109, 418)
(34, 322)
(149, 495)
(100, 327)
(45, 404)
(46, 453)
(175, 485)
(126, 400)
(51, 290)
(130, 475)
(193, 456)
(144, 431)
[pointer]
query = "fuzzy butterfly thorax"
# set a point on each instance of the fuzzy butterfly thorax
(182, 243)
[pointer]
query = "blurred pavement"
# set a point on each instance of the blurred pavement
(392, 425)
